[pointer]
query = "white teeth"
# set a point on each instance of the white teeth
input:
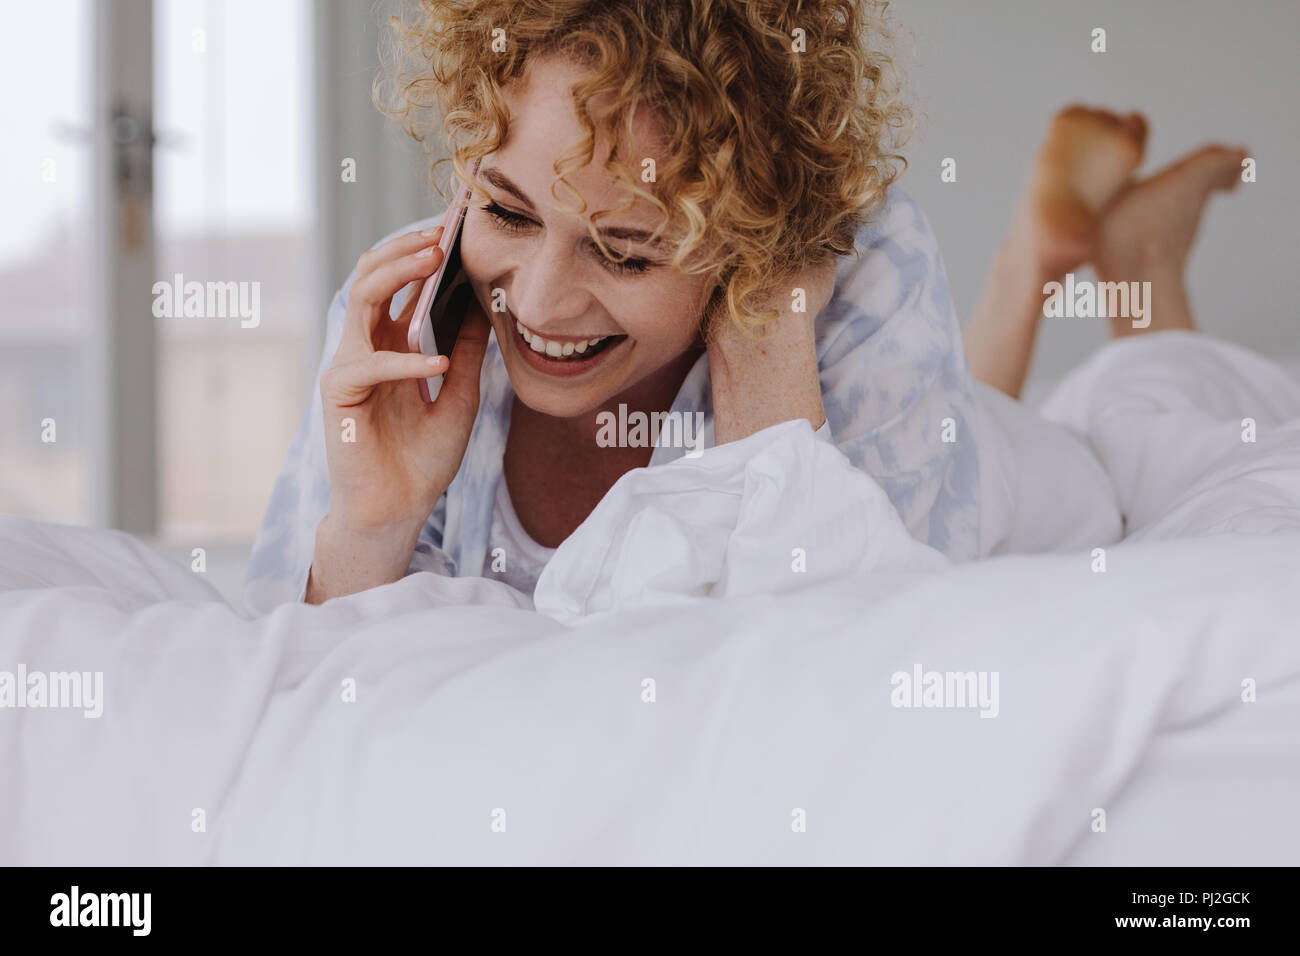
(556, 349)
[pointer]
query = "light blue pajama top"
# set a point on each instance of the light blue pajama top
(892, 372)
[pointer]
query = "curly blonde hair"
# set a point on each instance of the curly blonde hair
(776, 155)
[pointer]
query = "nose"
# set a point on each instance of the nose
(544, 294)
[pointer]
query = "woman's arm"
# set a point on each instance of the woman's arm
(895, 384)
(762, 382)
(285, 554)
(879, 353)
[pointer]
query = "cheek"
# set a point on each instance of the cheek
(662, 321)
(484, 257)
(477, 252)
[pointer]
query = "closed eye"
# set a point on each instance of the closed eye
(507, 219)
(513, 222)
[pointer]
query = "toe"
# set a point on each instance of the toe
(1135, 124)
(1219, 164)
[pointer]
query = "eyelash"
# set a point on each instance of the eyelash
(513, 222)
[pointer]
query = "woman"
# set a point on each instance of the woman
(768, 136)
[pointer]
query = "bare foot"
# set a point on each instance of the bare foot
(1148, 231)
(1085, 160)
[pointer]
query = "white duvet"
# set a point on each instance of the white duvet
(729, 662)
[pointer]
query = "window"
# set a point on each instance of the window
(232, 209)
(46, 300)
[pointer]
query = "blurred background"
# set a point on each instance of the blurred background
(988, 77)
(209, 139)
(204, 138)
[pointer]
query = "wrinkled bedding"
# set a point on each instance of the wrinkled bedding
(729, 662)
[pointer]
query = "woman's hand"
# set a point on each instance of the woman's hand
(762, 382)
(391, 456)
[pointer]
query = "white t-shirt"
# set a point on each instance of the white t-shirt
(523, 557)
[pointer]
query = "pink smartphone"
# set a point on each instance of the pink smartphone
(435, 310)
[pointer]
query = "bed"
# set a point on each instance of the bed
(742, 658)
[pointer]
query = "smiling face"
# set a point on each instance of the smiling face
(581, 329)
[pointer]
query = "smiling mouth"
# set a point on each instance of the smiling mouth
(570, 350)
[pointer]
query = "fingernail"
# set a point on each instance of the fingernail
(425, 252)
(432, 232)
(433, 360)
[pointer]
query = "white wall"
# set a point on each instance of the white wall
(989, 74)
(986, 76)
(392, 184)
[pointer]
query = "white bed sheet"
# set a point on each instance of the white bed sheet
(1119, 691)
